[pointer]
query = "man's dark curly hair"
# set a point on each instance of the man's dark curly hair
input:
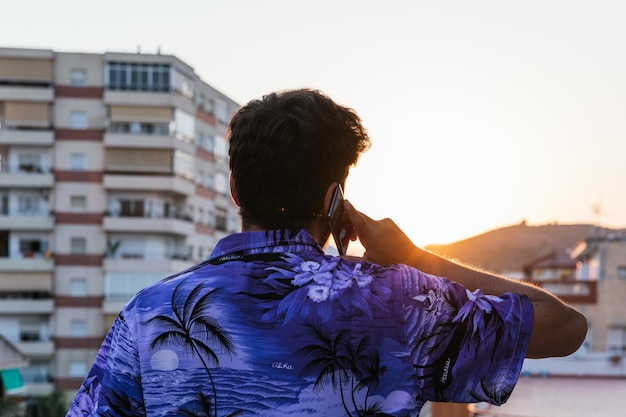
(285, 150)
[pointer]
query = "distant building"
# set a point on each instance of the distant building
(558, 265)
(511, 250)
(113, 175)
(602, 260)
(597, 288)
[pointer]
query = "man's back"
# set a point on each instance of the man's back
(271, 326)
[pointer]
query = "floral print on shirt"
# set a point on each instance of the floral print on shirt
(272, 326)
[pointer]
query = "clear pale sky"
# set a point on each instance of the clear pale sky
(482, 113)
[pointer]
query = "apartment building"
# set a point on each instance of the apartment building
(602, 261)
(113, 175)
(594, 282)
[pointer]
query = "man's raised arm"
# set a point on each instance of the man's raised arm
(558, 329)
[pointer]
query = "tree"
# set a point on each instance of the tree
(193, 328)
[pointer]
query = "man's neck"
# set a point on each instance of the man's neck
(318, 229)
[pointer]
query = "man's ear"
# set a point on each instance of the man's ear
(329, 196)
(233, 190)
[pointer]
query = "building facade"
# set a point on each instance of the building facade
(113, 175)
(596, 286)
(602, 260)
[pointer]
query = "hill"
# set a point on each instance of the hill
(506, 250)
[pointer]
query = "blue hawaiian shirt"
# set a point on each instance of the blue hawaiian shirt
(272, 326)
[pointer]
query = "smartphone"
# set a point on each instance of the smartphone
(338, 221)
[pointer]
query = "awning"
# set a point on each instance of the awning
(12, 381)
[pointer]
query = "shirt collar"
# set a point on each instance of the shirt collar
(266, 241)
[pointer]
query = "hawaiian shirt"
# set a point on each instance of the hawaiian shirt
(270, 325)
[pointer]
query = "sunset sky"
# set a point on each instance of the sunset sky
(482, 113)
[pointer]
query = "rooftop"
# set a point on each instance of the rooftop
(509, 249)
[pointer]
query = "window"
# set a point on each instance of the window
(209, 105)
(221, 148)
(221, 113)
(210, 144)
(78, 203)
(78, 328)
(78, 120)
(29, 162)
(30, 247)
(162, 129)
(185, 125)
(621, 271)
(132, 76)
(201, 141)
(78, 162)
(183, 165)
(617, 339)
(27, 204)
(186, 90)
(201, 101)
(210, 181)
(135, 127)
(4, 202)
(221, 183)
(132, 208)
(30, 331)
(77, 369)
(78, 246)
(220, 219)
(78, 77)
(120, 286)
(78, 287)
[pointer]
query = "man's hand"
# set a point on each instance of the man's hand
(384, 242)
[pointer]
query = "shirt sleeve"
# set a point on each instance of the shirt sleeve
(469, 347)
(113, 385)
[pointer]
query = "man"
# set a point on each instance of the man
(271, 326)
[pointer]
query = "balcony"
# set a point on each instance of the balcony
(37, 379)
(36, 349)
(26, 93)
(26, 306)
(173, 226)
(28, 281)
(16, 222)
(36, 263)
(39, 389)
(575, 292)
(140, 262)
(26, 137)
(143, 140)
(149, 98)
(169, 183)
(26, 177)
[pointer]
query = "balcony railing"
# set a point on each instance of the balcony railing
(575, 292)
(27, 261)
(14, 210)
(25, 169)
(176, 215)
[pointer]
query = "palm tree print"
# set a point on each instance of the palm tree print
(200, 407)
(192, 328)
(370, 372)
(122, 403)
(343, 365)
